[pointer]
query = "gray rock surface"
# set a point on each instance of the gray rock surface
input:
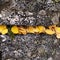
(28, 12)
(31, 47)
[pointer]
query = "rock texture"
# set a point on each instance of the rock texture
(30, 46)
(28, 12)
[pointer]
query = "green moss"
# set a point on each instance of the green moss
(10, 33)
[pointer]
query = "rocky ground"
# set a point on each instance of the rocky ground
(30, 46)
(30, 12)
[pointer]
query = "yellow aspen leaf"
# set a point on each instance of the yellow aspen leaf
(14, 29)
(52, 27)
(2, 27)
(41, 29)
(50, 32)
(57, 29)
(22, 30)
(4, 31)
(36, 30)
(30, 29)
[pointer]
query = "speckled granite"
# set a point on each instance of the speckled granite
(29, 12)
(30, 46)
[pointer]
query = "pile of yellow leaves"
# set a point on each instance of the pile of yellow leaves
(53, 29)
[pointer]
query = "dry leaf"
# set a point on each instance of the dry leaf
(50, 32)
(14, 29)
